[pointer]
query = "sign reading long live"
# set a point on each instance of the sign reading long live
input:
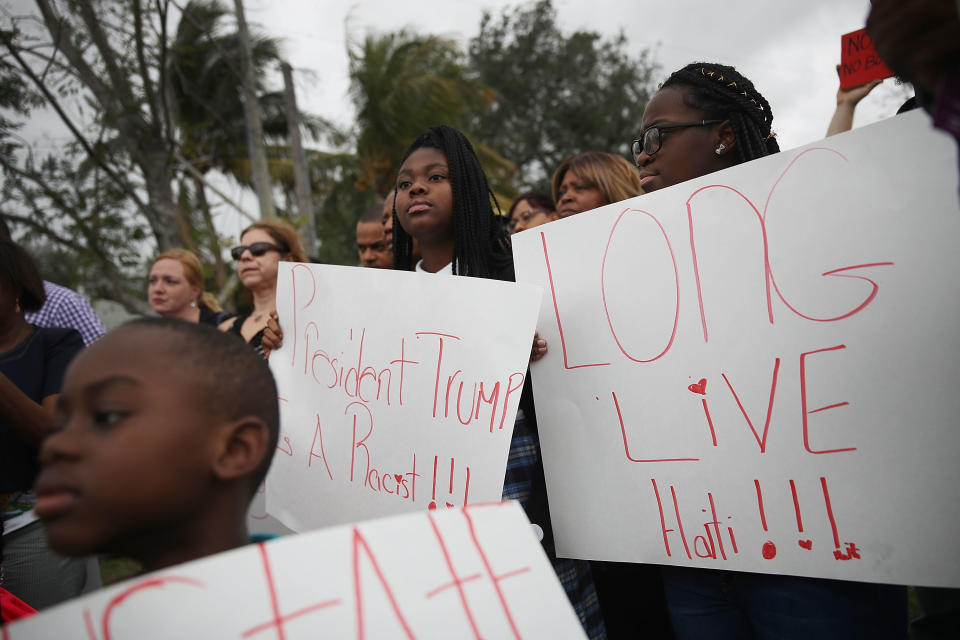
(398, 391)
(757, 370)
(472, 573)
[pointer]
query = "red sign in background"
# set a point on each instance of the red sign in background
(859, 60)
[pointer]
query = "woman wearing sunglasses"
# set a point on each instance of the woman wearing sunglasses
(263, 245)
(707, 117)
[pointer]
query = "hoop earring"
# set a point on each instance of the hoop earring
(720, 149)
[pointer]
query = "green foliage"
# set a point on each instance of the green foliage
(556, 94)
(401, 84)
(155, 103)
(340, 196)
(77, 224)
(205, 85)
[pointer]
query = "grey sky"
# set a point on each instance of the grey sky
(788, 49)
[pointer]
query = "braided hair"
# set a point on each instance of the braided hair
(481, 245)
(721, 92)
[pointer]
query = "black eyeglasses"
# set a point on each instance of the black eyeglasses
(256, 249)
(651, 139)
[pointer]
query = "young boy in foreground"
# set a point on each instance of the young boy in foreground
(164, 431)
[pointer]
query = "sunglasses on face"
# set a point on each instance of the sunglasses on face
(651, 139)
(256, 249)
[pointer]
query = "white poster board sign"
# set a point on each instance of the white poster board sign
(398, 391)
(757, 370)
(473, 573)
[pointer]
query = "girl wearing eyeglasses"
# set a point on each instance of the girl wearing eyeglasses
(262, 246)
(175, 289)
(704, 118)
(530, 209)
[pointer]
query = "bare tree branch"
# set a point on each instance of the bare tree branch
(52, 100)
(151, 98)
(118, 80)
(192, 170)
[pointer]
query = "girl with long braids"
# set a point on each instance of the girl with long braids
(704, 118)
(443, 201)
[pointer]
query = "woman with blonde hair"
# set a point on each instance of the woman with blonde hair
(263, 245)
(175, 289)
(593, 179)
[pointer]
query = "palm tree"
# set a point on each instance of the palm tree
(206, 99)
(401, 83)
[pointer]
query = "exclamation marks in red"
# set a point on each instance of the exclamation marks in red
(450, 491)
(851, 551)
(806, 544)
(769, 550)
(433, 495)
(833, 521)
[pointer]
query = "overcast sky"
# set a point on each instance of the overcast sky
(789, 49)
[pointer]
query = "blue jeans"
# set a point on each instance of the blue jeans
(706, 603)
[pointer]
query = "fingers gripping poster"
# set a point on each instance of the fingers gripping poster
(398, 391)
(473, 573)
(757, 370)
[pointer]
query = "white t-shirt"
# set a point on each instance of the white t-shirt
(447, 270)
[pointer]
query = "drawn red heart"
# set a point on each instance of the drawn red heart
(699, 387)
(399, 477)
(806, 544)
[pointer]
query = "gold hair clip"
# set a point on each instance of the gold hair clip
(773, 134)
(732, 84)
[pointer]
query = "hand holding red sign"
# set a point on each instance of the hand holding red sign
(859, 61)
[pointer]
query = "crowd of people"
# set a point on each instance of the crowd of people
(103, 451)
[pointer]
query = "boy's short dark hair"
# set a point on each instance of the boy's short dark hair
(235, 381)
(19, 272)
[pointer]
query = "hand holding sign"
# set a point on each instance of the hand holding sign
(741, 373)
(386, 413)
(852, 96)
(847, 101)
